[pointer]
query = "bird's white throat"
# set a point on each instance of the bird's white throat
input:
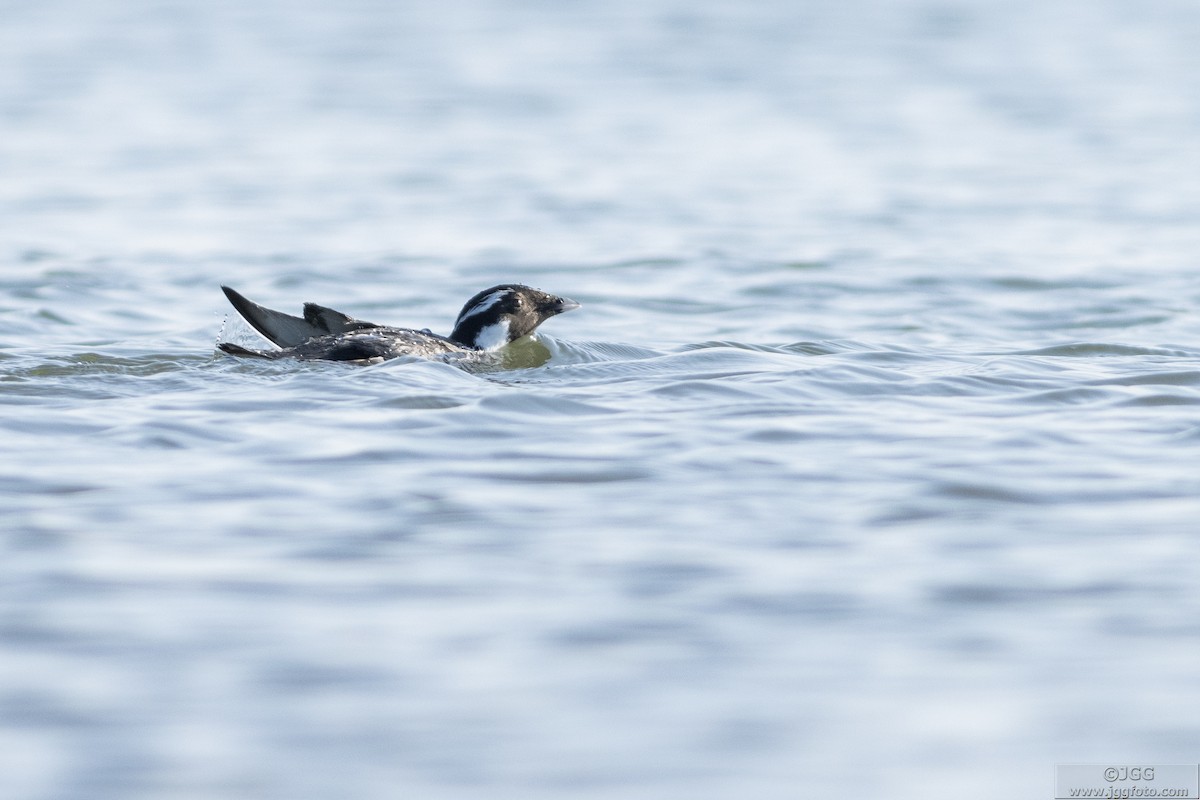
(493, 337)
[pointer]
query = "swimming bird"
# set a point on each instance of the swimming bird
(489, 321)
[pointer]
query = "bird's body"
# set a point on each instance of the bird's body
(489, 321)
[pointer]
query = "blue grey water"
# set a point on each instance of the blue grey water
(868, 467)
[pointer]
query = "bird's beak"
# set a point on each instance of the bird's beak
(559, 305)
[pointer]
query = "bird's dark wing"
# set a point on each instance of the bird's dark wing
(288, 331)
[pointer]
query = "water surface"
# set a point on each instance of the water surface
(867, 467)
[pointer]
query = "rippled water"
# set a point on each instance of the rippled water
(867, 468)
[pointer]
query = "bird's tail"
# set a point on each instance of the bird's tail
(244, 352)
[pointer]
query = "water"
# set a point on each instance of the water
(867, 468)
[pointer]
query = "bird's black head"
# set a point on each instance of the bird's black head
(502, 314)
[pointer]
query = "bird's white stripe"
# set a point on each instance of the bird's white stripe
(483, 305)
(493, 337)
